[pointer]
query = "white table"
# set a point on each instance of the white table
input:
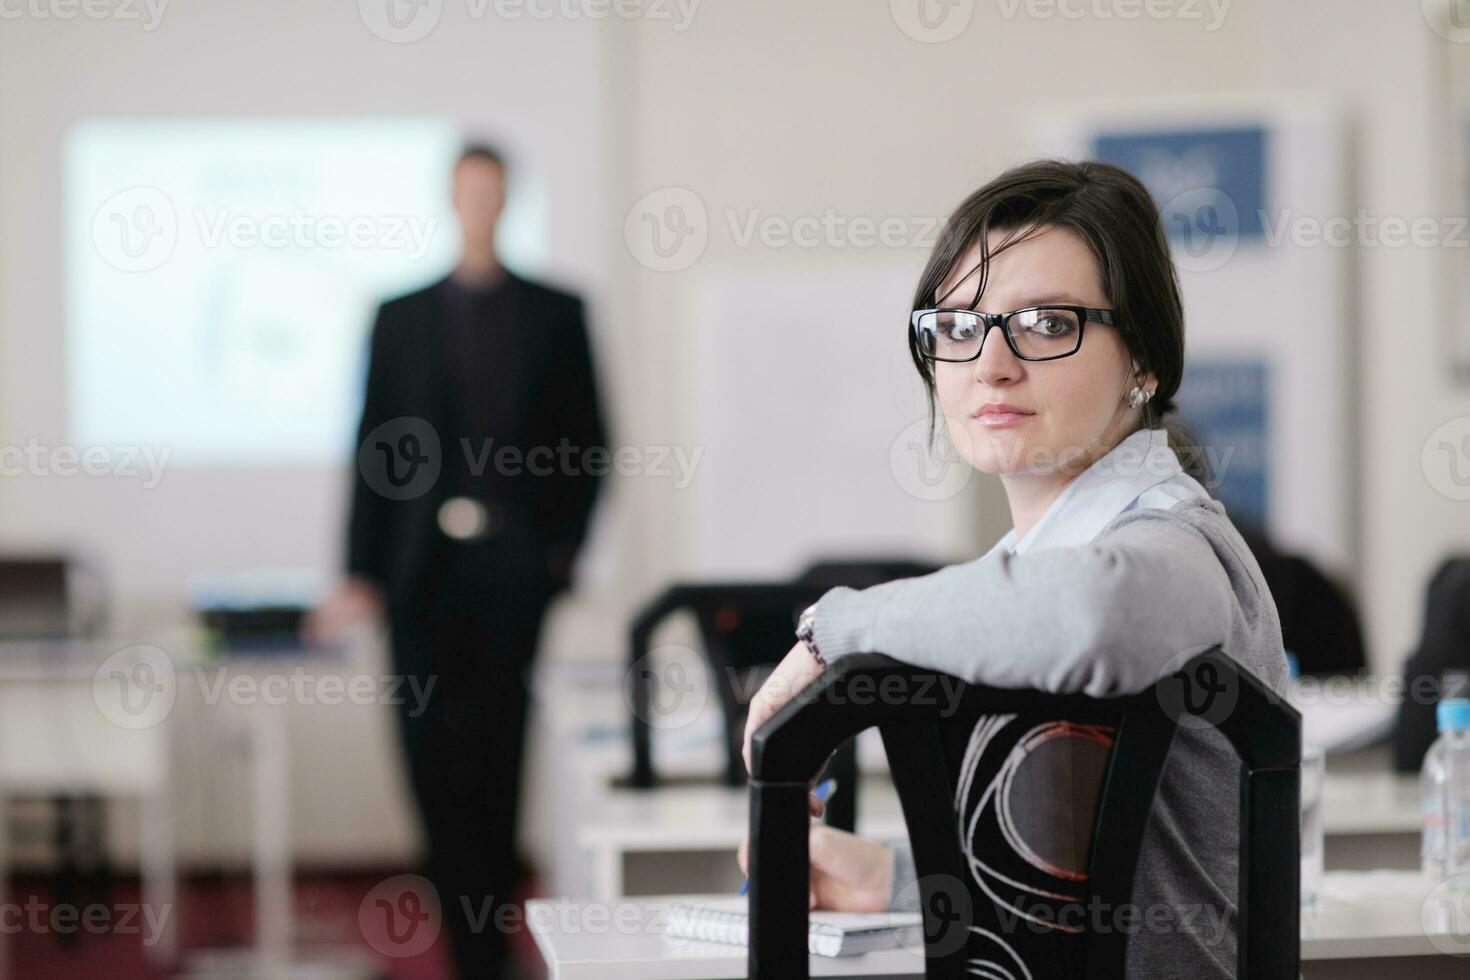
(75, 719)
(1370, 814)
(678, 837)
(1385, 924)
(651, 831)
(1371, 922)
(682, 838)
(626, 940)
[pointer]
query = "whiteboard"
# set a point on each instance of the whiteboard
(812, 418)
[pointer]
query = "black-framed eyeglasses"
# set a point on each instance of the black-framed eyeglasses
(1037, 333)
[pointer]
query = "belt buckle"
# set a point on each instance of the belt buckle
(467, 519)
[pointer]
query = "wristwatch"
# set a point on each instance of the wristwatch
(805, 627)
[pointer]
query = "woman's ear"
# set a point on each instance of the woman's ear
(1146, 380)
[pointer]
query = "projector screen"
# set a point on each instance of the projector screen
(221, 275)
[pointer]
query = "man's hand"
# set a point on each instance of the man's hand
(356, 601)
(848, 873)
(795, 671)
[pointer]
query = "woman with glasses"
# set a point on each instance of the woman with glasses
(1048, 332)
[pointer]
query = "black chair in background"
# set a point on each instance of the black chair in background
(1319, 623)
(860, 573)
(1443, 654)
(746, 627)
(1264, 730)
(35, 598)
(46, 598)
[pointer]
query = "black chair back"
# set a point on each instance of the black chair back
(742, 625)
(920, 738)
(746, 625)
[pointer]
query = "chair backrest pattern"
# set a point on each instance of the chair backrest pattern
(935, 748)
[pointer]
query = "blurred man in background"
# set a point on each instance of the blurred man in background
(471, 499)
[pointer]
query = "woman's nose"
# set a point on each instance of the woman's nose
(997, 365)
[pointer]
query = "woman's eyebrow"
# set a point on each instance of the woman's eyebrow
(1056, 299)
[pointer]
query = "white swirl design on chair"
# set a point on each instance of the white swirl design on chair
(991, 815)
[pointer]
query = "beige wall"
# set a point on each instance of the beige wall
(788, 109)
(792, 108)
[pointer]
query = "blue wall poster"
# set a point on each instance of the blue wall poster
(1226, 401)
(1174, 162)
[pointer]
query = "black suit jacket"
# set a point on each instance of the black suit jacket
(409, 391)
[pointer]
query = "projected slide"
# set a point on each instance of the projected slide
(222, 274)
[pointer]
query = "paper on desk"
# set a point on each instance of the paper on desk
(1342, 721)
(1368, 886)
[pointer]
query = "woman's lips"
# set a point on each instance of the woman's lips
(999, 420)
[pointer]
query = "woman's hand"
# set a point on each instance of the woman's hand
(795, 671)
(848, 873)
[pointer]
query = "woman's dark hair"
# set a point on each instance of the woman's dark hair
(1111, 211)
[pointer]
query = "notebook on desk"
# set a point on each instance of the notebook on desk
(828, 934)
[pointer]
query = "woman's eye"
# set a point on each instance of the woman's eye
(958, 329)
(1052, 325)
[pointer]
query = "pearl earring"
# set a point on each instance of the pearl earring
(1137, 396)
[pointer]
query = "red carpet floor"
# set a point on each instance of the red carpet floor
(213, 912)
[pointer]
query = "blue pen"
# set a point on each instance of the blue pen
(824, 789)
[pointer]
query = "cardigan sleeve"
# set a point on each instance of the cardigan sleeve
(903, 896)
(1102, 619)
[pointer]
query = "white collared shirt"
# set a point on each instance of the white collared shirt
(1139, 472)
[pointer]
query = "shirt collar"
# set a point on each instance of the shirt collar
(1099, 493)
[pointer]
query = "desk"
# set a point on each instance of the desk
(82, 717)
(685, 837)
(1370, 812)
(682, 837)
(1348, 936)
(625, 940)
(677, 838)
(1373, 925)
(114, 718)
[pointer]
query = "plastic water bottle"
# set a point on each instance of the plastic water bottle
(1444, 793)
